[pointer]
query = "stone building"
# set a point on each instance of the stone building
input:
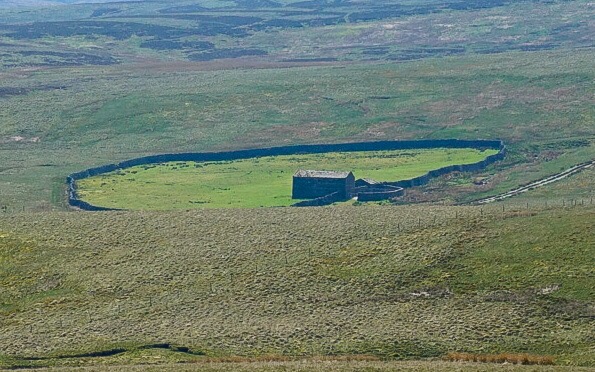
(310, 184)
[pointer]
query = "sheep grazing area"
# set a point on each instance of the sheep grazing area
(257, 182)
(399, 282)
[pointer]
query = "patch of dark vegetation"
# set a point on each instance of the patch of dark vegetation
(232, 21)
(569, 309)
(394, 12)
(381, 97)
(180, 349)
(19, 91)
(413, 54)
(569, 26)
(104, 11)
(558, 145)
(116, 30)
(536, 47)
(476, 4)
(277, 23)
(51, 58)
(400, 350)
(260, 5)
(320, 4)
(208, 25)
(322, 59)
(225, 53)
(520, 297)
(257, 4)
(94, 354)
(226, 20)
(375, 51)
(120, 350)
(183, 9)
(12, 91)
(493, 48)
(319, 22)
(173, 45)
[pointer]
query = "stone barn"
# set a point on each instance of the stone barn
(310, 184)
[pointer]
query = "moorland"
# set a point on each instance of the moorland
(343, 287)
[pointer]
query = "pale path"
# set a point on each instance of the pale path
(533, 185)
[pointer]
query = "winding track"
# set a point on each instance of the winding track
(542, 182)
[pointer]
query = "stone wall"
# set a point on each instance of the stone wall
(473, 167)
(323, 200)
(378, 192)
(74, 201)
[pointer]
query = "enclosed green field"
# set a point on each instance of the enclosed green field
(255, 182)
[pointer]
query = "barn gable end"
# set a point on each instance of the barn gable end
(310, 184)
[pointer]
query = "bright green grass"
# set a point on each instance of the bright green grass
(256, 182)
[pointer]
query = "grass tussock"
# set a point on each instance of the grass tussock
(399, 282)
(245, 359)
(284, 358)
(346, 358)
(514, 358)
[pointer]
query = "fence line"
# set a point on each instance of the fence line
(539, 183)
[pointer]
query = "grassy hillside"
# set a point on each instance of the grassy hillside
(394, 282)
(285, 288)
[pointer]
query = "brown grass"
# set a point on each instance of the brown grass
(527, 359)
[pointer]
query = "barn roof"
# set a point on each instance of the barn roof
(320, 174)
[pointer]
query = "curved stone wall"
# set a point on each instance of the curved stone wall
(473, 167)
(378, 192)
(74, 201)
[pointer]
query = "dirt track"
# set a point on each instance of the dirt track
(533, 185)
